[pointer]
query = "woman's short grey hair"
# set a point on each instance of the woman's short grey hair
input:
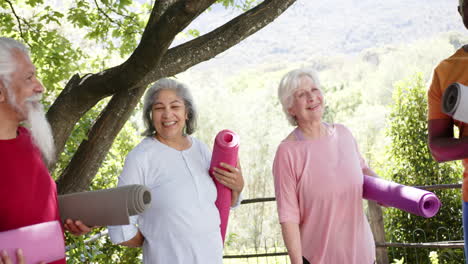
(182, 91)
(289, 84)
(7, 63)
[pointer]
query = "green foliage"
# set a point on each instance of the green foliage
(193, 32)
(341, 102)
(116, 25)
(410, 163)
(75, 36)
(231, 239)
(34, 3)
(81, 36)
(53, 54)
(434, 257)
(101, 251)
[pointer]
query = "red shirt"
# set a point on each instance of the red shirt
(28, 194)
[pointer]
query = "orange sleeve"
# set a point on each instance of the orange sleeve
(434, 98)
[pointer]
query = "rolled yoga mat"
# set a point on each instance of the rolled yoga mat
(455, 102)
(406, 198)
(105, 207)
(225, 149)
(40, 242)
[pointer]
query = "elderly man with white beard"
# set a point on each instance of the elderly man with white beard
(28, 194)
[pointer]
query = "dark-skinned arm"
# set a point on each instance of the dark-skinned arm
(442, 143)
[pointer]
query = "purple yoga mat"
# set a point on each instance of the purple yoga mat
(225, 149)
(406, 198)
(40, 242)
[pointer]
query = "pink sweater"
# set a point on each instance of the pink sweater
(318, 185)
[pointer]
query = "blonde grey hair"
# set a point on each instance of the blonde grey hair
(182, 91)
(289, 84)
(7, 63)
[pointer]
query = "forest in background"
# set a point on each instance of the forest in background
(359, 91)
(240, 94)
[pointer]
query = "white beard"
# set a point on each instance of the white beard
(40, 129)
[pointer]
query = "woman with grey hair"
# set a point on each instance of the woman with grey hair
(318, 175)
(183, 224)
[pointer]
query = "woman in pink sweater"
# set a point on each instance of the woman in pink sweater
(318, 173)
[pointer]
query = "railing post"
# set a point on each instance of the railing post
(378, 229)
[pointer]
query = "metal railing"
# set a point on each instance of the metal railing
(457, 244)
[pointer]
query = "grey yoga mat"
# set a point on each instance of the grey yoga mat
(455, 102)
(105, 207)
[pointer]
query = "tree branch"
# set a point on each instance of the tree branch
(91, 153)
(203, 48)
(156, 39)
(174, 20)
(106, 15)
(160, 7)
(62, 117)
(81, 94)
(19, 21)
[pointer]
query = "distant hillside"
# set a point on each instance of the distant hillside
(311, 28)
(362, 48)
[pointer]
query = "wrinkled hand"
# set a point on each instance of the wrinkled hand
(231, 177)
(5, 259)
(77, 228)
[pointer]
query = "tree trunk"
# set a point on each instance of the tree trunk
(83, 167)
(147, 68)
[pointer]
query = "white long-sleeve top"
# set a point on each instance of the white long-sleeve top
(182, 225)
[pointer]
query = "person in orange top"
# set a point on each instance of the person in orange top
(443, 144)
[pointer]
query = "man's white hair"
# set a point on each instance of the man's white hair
(41, 133)
(7, 62)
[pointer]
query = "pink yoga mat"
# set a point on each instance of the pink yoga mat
(406, 198)
(225, 149)
(40, 242)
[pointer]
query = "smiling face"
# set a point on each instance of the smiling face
(24, 86)
(21, 100)
(307, 102)
(169, 115)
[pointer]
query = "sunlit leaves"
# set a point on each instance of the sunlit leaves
(193, 32)
(7, 22)
(79, 16)
(124, 3)
(51, 16)
(34, 3)
(77, 37)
